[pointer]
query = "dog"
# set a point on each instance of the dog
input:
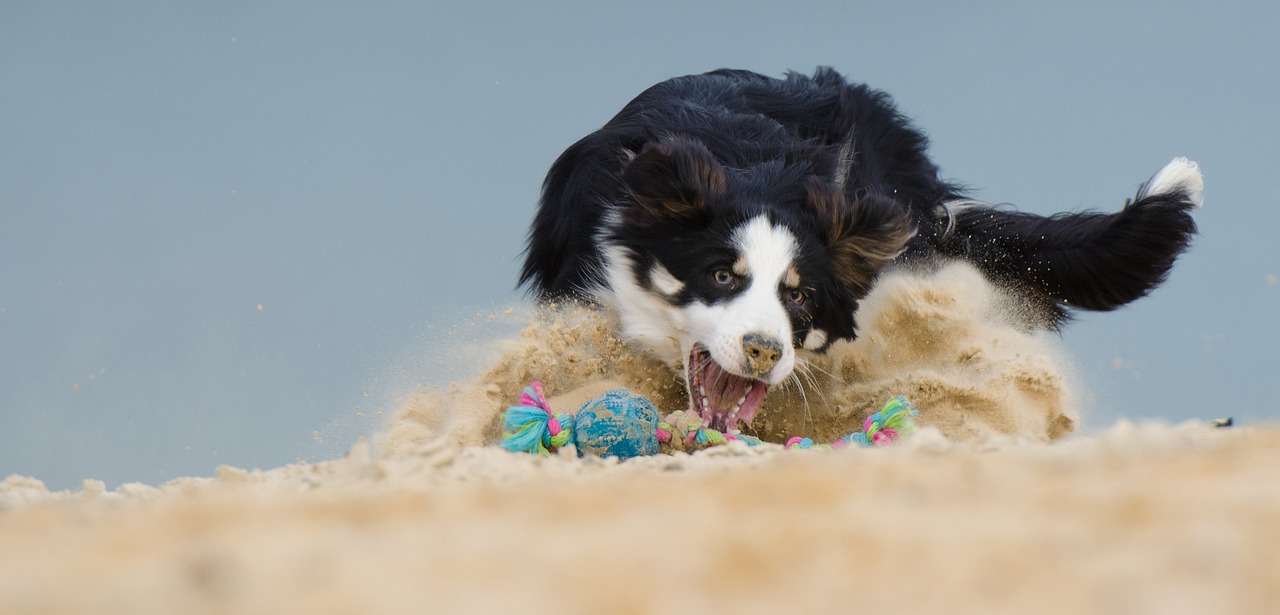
(731, 220)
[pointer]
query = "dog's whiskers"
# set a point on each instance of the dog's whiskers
(808, 418)
(811, 365)
(806, 367)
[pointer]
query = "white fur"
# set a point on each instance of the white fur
(646, 318)
(815, 339)
(1180, 175)
(671, 331)
(768, 252)
(949, 209)
(662, 280)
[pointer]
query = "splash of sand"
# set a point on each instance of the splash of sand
(947, 339)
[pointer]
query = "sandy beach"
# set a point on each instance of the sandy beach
(997, 505)
(1139, 519)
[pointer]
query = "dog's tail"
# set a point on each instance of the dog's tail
(1091, 261)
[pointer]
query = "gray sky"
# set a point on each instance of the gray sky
(225, 226)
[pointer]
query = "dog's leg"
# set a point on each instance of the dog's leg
(1091, 261)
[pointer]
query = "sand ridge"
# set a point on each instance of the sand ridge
(1138, 519)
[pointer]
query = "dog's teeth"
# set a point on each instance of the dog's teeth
(742, 400)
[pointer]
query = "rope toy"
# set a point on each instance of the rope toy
(621, 424)
(530, 426)
(880, 429)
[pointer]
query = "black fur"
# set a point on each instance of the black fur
(691, 157)
(1091, 261)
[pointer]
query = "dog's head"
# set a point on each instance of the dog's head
(730, 271)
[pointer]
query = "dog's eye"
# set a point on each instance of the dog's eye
(724, 277)
(797, 296)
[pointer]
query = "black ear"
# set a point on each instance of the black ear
(861, 237)
(672, 179)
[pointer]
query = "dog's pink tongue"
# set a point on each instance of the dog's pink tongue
(755, 398)
(725, 391)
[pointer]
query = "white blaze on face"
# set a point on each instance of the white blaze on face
(766, 254)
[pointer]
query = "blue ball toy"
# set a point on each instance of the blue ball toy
(615, 424)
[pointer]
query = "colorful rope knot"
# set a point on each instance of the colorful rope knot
(682, 430)
(530, 427)
(880, 429)
(621, 424)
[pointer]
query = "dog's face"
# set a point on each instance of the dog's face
(729, 272)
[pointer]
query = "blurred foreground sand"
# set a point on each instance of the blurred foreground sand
(1138, 519)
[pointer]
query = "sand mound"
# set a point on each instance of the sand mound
(945, 339)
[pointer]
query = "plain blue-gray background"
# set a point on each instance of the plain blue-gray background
(227, 226)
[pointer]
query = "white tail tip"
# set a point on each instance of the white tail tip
(1180, 175)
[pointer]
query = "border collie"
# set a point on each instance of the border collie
(731, 219)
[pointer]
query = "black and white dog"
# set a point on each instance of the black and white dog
(731, 218)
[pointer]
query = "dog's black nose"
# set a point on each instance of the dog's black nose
(762, 352)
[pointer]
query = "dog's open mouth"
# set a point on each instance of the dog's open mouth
(721, 398)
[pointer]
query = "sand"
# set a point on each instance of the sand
(995, 506)
(946, 340)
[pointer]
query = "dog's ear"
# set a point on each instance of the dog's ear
(673, 179)
(862, 236)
